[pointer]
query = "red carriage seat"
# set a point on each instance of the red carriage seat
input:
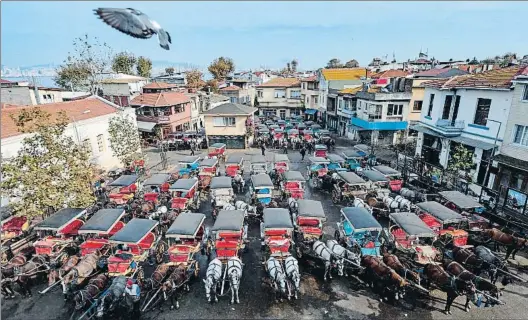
(180, 253)
(278, 244)
(309, 226)
(14, 224)
(91, 245)
(320, 153)
(178, 203)
(151, 197)
(147, 241)
(72, 228)
(275, 232)
(401, 237)
(232, 170)
(165, 187)
(44, 246)
(431, 222)
(226, 248)
(130, 189)
(311, 230)
(118, 265)
(293, 185)
(297, 194)
(460, 237)
(395, 185)
(118, 226)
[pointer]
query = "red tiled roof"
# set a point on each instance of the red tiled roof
(309, 79)
(499, 79)
(159, 85)
(390, 74)
(430, 73)
(281, 83)
(5, 81)
(160, 99)
(230, 88)
(77, 110)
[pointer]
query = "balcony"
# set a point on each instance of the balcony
(379, 125)
(451, 128)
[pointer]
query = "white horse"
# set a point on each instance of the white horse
(292, 271)
(239, 182)
(342, 253)
(293, 205)
(322, 251)
(277, 276)
(412, 195)
(212, 279)
(358, 203)
(241, 205)
(234, 272)
(397, 203)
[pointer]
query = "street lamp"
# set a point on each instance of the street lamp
(486, 176)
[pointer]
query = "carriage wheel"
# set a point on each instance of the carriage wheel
(160, 251)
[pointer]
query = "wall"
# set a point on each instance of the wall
(17, 95)
(238, 130)
(115, 89)
(518, 115)
(56, 96)
(418, 92)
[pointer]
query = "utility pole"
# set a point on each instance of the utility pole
(486, 176)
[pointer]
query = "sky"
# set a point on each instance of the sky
(269, 33)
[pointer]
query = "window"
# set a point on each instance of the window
(307, 99)
(315, 99)
(100, 143)
(447, 107)
(341, 104)
(295, 94)
(417, 105)
(347, 104)
(233, 100)
(395, 109)
(260, 94)
(431, 100)
(525, 93)
(483, 108)
(282, 114)
(303, 85)
(374, 111)
(280, 93)
(520, 135)
(224, 122)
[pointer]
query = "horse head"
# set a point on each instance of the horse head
(281, 280)
(103, 305)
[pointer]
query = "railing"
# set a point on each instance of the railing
(450, 124)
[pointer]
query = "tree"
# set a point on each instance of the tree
(294, 65)
(169, 71)
(212, 85)
(352, 64)
(144, 67)
(194, 79)
(83, 67)
(221, 67)
(461, 162)
(124, 139)
(334, 63)
(51, 170)
(124, 62)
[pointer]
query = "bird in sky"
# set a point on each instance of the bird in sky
(134, 23)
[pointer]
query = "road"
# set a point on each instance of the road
(340, 298)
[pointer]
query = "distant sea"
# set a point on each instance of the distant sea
(43, 81)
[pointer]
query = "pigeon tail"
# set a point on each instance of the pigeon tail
(164, 39)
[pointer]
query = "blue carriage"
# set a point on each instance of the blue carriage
(359, 231)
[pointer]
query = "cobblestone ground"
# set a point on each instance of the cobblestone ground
(341, 298)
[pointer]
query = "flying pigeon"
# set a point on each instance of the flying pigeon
(134, 23)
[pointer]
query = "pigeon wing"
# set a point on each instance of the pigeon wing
(125, 21)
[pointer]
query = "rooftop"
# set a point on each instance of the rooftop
(309, 79)
(5, 81)
(231, 109)
(344, 74)
(160, 85)
(440, 73)
(230, 88)
(121, 80)
(160, 99)
(493, 79)
(351, 90)
(390, 74)
(77, 110)
(281, 83)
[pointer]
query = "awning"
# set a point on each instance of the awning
(512, 162)
(310, 111)
(426, 130)
(146, 126)
(473, 143)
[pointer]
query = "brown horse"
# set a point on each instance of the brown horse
(378, 273)
(453, 286)
(393, 262)
(86, 296)
(155, 281)
(456, 269)
(511, 242)
(64, 269)
(8, 270)
(468, 258)
(177, 279)
(32, 270)
(79, 273)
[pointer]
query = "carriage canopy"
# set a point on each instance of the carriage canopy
(411, 224)
(374, 176)
(189, 159)
(387, 171)
(351, 154)
(460, 200)
(209, 162)
(217, 145)
(293, 176)
(362, 147)
(310, 208)
(350, 177)
(262, 180)
(156, 179)
(257, 159)
(361, 219)
(440, 212)
(234, 159)
(220, 183)
(293, 131)
(335, 158)
(229, 220)
(281, 158)
(124, 180)
(319, 160)
(102, 221)
(60, 219)
(184, 184)
(277, 218)
(134, 231)
(186, 225)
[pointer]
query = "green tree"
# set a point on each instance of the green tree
(124, 139)
(461, 162)
(334, 63)
(220, 68)
(169, 71)
(194, 79)
(294, 65)
(83, 67)
(51, 170)
(352, 64)
(124, 62)
(144, 67)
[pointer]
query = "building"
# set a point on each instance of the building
(89, 119)
(231, 124)
(418, 89)
(310, 95)
(469, 110)
(22, 93)
(383, 77)
(381, 112)
(346, 110)
(239, 91)
(512, 161)
(200, 102)
(160, 104)
(280, 97)
(265, 76)
(123, 89)
(178, 78)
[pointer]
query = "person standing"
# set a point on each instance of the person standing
(133, 291)
(263, 149)
(192, 148)
(303, 153)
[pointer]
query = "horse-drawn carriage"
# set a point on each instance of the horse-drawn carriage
(155, 186)
(336, 164)
(234, 165)
(133, 245)
(281, 163)
(217, 150)
(123, 189)
(466, 206)
(394, 177)
(308, 222)
(185, 239)
(378, 183)
(317, 169)
(412, 237)
(362, 149)
(222, 194)
(293, 185)
(96, 231)
(185, 194)
(261, 189)
(359, 231)
(353, 159)
(207, 170)
(188, 167)
(258, 165)
(293, 137)
(307, 135)
(348, 187)
(15, 235)
(320, 151)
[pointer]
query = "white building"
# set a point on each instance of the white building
(471, 110)
(89, 119)
(122, 90)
